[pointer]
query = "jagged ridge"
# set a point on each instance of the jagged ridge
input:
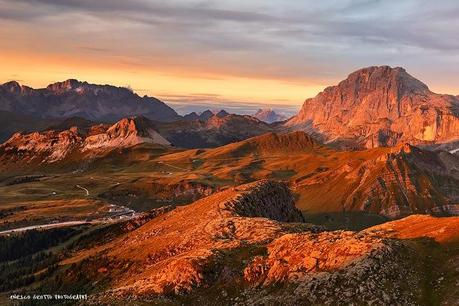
(52, 146)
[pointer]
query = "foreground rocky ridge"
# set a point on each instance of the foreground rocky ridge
(379, 106)
(235, 247)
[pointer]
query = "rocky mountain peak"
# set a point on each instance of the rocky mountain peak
(13, 87)
(126, 133)
(206, 115)
(68, 85)
(268, 115)
(379, 106)
(191, 116)
(55, 145)
(137, 124)
(222, 113)
(392, 79)
(73, 98)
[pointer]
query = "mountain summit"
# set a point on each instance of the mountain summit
(268, 115)
(72, 98)
(380, 106)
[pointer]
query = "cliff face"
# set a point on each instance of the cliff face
(49, 146)
(380, 106)
(127, 132)
(53, 145)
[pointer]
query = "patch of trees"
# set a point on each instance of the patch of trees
(26, 270)
(33, 241)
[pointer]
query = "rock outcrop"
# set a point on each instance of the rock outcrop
(379, 106)
(231, 245)
(127, 132)
(53, 146)
(333, 268)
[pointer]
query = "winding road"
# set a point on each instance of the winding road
(117, 213)
(82, 188)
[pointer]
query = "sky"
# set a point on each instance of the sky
(238, 54)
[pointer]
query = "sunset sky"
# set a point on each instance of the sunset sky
(233, 54)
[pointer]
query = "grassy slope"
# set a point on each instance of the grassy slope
(329, 184)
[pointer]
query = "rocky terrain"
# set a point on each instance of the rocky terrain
(379, 106)
(225, 204)
(53, 145)
(268, 115)
(405, 180)
(247, 245)
(72, 98)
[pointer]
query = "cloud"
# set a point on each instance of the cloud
(292, 41)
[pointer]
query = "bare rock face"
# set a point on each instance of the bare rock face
(264, 199)
(48, 147)
(293, 256)
(333, 268)
(125, 133)
(53, 146)
(380, 106)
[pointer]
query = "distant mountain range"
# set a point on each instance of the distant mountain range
(373, 107)
(205, 115)
(74, 103)
(212, 130)
(74, 98)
